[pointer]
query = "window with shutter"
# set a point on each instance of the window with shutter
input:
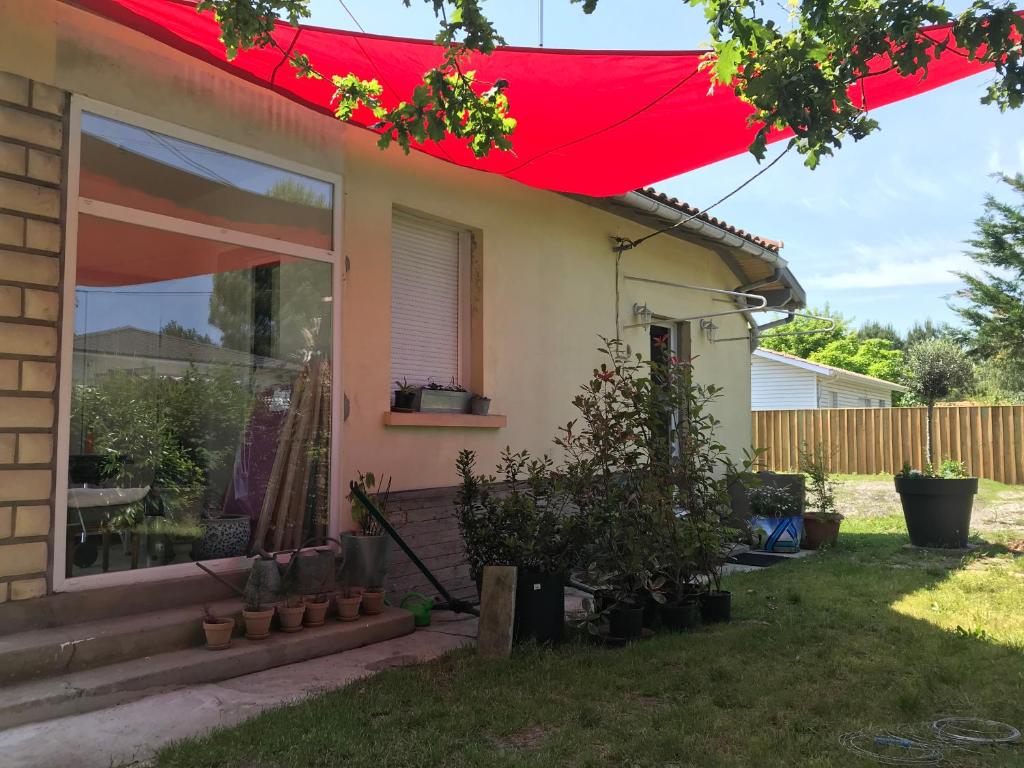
(428, 304)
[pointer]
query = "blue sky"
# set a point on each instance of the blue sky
(874, 231)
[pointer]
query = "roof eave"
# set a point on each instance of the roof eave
(649, 212)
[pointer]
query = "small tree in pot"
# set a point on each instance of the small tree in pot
(821, 520)
(936, 506)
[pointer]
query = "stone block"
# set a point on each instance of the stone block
(24, 485)
(20, 339)
(26, 197)
(36, 376)
(12, 158)
(6, 518)
(41, 305)
(12, 228)
(10, 301)
(46, 98)
(8, 446)
(8, 374)
(28, 589)
(44, 166)
(29, 268)
(23, 558)
(43, 235)
(32, 129)
(14, 88)
(33, 520)
(35, 448)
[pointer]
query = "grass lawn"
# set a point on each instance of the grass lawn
(868, 634)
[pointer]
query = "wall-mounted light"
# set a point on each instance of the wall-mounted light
(643, 314)
(709, 328)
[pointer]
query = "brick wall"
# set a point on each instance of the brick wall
(33, 144)
(426, 521)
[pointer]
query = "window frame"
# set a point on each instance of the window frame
(464, 341)
(74, 205)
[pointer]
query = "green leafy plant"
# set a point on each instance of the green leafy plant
(772, 501)
(820, 493)
(936, 369)
(380, 494)
(518, 518)
(949, 469)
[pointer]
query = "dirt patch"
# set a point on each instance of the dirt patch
(875, 497)
(526, 739)
(391, 661)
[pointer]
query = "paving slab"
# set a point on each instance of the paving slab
(129, 734)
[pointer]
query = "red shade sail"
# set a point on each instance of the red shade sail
(592, 122)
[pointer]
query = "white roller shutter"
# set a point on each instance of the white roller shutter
(425, 301)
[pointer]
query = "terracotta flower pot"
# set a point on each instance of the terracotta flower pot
(290, 617)
(373, 602)
(218, 633)
(820, 531)
(257, 623)
(316, 611)
(348, 607)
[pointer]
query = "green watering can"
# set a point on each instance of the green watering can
(420, 606)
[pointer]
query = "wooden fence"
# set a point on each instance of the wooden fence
(988, 439)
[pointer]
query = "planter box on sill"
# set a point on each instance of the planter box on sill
(441, 401)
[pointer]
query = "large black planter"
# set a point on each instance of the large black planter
(626, 623)
(716, 607)
(937, 510)
(540, 607)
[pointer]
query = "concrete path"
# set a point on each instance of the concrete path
(130, 733)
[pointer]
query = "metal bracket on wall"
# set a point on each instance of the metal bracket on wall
(792, 314)
(759, 302)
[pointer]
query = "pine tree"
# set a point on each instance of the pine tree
(995, 313)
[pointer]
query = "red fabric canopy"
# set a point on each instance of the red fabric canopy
(592, 122)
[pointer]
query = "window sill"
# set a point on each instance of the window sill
(447, 420)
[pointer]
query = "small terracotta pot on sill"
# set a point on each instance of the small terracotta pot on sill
(257, 623)
(373, 602)
(316, 611)
(218, 633)
(348, 607)
(290, 617)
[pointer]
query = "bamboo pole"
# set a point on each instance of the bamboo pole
(283, 518)
(280, 459)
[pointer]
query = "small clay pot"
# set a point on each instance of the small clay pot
(218, 633)
(348, 607)
(290, 617)
(257, 623)
(316, 611)
(373, 602)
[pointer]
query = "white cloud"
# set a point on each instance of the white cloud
(897, 264)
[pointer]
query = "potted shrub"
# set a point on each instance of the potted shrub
(257, 619)
(519, 521)
(218, 630)
(677, 562)
(479, 405)
(349, 599)
(405, 397)
(290, 614)
(937, 504)
(776, 524)
(373, 601)
(316, 610)
(821, 520)
(438, 398)
(368, 549)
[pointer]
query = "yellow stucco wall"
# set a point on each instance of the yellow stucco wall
(548, 283)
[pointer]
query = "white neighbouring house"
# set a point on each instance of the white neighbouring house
(779, 381)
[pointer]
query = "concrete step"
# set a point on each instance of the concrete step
(103, 602)
(77, 647)
(130, 680)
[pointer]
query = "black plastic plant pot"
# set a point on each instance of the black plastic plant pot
(937, 510)
(685, 615)
(540, 607)
(404, 401)
(626, 623)
(716, 607)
